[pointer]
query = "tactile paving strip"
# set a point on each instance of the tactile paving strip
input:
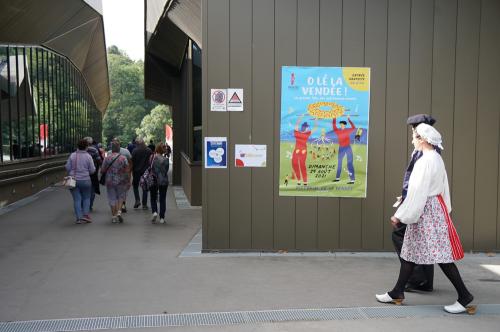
(230, 318)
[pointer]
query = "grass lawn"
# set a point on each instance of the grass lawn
(321, 171)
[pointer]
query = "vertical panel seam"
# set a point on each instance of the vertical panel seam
(341, 62)
(319, 64)
(433, 49)
(454, 94)
(228, 146)
(251, 124)
(369, 104)
(385, 115)
(296, 62)
(275, 208)
(477, 115)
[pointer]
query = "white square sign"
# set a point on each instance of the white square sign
(235, 100)
(218, 99)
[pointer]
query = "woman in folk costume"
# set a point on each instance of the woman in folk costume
(430, 236)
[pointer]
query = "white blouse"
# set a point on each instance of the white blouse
(428, 178)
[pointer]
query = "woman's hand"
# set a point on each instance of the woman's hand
(394, 221)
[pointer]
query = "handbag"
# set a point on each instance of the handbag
(102, 180)
(148, 179)
(69, 182)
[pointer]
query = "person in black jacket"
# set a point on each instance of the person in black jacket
(140, 162)
(422, 278)
(93, 151)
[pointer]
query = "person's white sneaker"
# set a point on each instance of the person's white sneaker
(114, 220)
(162, 221)
(154, 216)
(457, 308)
(386, 298)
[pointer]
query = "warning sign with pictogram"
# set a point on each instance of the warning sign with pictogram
(235, 100)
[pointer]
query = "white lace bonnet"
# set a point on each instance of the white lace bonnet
(430, 135)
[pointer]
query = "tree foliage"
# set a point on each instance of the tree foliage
(127, 106)
(153, 125)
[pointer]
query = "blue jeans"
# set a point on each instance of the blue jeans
(163, 200)
(81, 197)
(343, 151)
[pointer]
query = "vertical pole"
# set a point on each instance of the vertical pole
(32, 81)
(25, 75)
(38, 100)
(19, 141)
(10, 103)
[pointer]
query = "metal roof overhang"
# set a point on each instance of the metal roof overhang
(71, 28)
(169, 24)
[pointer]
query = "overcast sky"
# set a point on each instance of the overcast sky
(124, 26)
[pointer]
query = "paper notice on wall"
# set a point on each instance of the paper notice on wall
(250, 155)
(235, 100)
(218, 100)
(215, 152)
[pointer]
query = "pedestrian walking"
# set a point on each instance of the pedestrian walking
(140, 162)
(126, 153)
(80, 165)
(117, 180)
(151, 145)
(94, 152)
(422, 278)
(159, 166)
(430, 236)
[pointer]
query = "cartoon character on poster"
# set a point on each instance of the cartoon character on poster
(324, 131)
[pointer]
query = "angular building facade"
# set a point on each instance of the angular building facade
(54, 88)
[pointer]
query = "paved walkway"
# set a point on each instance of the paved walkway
(54, 269)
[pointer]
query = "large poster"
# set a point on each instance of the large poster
(324, 131)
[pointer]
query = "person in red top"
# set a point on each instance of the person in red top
(299, 155)
(343, 135)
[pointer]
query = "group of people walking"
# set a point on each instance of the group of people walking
(423, 233)
(138, 166)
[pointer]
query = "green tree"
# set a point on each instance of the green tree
(127, 106)
(153, 124)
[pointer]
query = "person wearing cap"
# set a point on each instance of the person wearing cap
(430, 236)
(343, 135)
(299, 155)
(422, 278)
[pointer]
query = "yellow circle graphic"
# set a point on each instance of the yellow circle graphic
(334, 110)
(357, 78)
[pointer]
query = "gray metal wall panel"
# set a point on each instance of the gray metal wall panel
(421, 36)
(396, 157)
(330, 54)
(306, 208)
(464, 127)
(443, 75)
(218, 199)
(205, 100)
(353, 48)
(263, 122)
(486, 200)
(240, 123)
(375, 58)
(435, 56)
(285, 54)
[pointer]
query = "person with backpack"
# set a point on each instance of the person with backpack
(94, 152)
(159, 168)
(140, 162)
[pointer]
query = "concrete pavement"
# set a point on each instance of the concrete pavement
(52, 268)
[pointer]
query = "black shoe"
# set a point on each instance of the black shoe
(136, 205)
(124, 209)
(336, 180)
(422, 287)
(350, 182)
(144, 207)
